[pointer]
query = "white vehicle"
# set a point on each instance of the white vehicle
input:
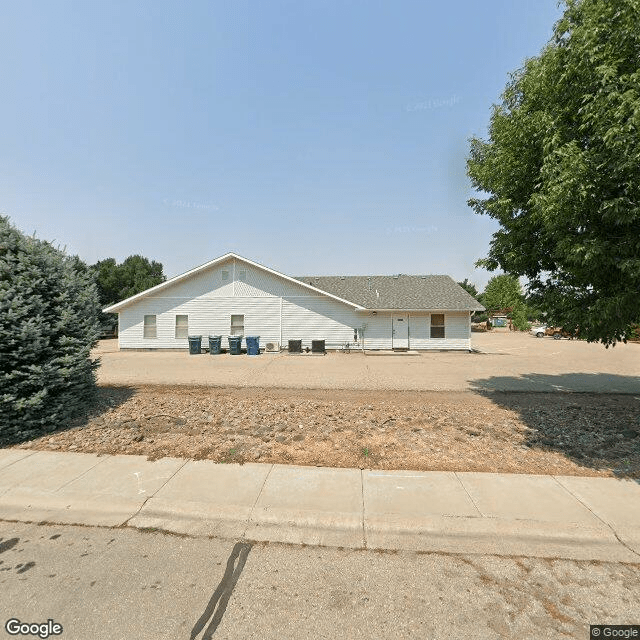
(538, 331)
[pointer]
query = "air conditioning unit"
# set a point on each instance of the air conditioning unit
(272, 346)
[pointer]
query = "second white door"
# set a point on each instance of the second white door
(400, 332)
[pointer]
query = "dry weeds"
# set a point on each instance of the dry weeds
(543, 433)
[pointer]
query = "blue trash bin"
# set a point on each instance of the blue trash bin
(253, 345)
(195, 345)
(235, 345)
(215, 344)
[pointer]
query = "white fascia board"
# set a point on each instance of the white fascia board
(300, 282)
(115, 308)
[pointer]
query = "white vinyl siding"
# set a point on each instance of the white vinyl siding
(310, 319)
(457, 331)
(377, 332)
(275, 309)
(182, 326)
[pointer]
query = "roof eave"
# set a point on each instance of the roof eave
(115, 308)
(474, 309)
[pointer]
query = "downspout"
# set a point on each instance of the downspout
(408, 331)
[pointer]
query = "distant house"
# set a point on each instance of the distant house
(232, 295)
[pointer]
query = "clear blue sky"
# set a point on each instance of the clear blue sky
(315, 137)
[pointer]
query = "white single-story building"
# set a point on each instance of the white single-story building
(232, 295)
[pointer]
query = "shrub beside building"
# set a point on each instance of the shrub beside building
(48, 325)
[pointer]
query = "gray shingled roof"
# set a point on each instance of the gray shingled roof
(398, 292)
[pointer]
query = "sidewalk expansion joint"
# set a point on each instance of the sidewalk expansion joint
(102, 459)
(244, 533)
(19, 459)
(473, 502)
(586, 506)
(164, 484)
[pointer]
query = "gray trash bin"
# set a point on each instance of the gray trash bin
(235, 345)
(195, 345)
(215, 344)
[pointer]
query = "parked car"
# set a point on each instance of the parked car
(538, 331)
(559, 332)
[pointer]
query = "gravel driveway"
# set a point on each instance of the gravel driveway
(506, 361)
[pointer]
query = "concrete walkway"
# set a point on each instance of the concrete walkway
(545, 516)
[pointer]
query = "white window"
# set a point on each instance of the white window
(149, 330)
(225, 275)
(242, 275)
(182, 326)
(237, 325)
(437, 325)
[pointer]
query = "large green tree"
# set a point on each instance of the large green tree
(48, 324)
(502, 292)
(561, 172)
(119, 281)
(469, 287)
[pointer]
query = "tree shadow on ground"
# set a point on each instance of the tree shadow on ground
(570, 382)
(591, 419)
(105, 398)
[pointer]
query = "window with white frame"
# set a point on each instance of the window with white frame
(182, 326)
(237, 325)
(149, 330)
(437, 325)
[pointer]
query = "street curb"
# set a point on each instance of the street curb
(44, 506)
(571, 517)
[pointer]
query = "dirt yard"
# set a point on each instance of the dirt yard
(503, 362)
(542, 433)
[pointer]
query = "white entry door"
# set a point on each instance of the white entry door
(400, 332)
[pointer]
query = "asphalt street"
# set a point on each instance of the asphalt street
(124, 584)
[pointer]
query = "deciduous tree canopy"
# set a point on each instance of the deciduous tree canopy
(119, 281)
(502, 292)
(561, 170)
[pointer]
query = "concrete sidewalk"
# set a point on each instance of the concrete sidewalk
(545, 516)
